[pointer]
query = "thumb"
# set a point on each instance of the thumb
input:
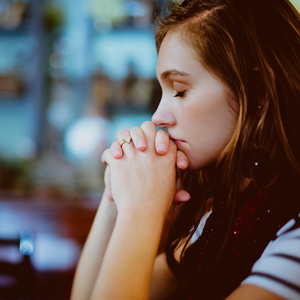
(181, 196)
(182, 160)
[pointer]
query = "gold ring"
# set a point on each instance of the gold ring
(126, 140)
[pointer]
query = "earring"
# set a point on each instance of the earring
(256, 164)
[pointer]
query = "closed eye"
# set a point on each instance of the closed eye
(180, 94)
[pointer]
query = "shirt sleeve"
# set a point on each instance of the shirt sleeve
(278, 269)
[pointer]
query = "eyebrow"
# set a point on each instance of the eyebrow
(174, 72)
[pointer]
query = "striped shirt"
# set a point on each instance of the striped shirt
(278, 269)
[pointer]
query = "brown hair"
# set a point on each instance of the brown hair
(253, 46)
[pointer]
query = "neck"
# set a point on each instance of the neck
(211, 177)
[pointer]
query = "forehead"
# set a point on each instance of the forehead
(176, 54)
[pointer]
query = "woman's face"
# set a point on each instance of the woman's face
(196, 108)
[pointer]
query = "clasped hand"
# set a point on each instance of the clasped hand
(142, 174)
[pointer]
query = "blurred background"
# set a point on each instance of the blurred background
(72, 73)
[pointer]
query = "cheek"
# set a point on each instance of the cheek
(205, 112)
(211, 124)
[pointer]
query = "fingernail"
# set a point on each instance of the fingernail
(141, 144)
(117, 153)
(162, 147)
(182, 164)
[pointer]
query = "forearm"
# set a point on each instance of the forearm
(128, 264)
(93, 253)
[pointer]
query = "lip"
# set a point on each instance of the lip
(177, 142)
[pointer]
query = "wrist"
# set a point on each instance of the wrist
(147, 206)
(143, 229)
(142, 214)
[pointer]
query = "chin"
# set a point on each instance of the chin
(193, 167)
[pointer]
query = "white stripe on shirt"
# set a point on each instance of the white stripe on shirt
(278, 269)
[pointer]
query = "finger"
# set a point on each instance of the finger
(150, 133)
(116, 150)
(138, 138)
(172, 147)
(181, 196)
(182, 160)
(162, 142)
(106, 157)
(122, 134)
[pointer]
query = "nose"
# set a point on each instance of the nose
(163, 117)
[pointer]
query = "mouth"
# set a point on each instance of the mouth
(179, 142)
(176, 141)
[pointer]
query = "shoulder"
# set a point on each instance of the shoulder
(278, 269)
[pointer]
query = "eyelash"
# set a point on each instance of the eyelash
(180, 94)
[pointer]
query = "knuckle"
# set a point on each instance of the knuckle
(172, 144)
(135, 131)
(163, 135)
(114, 145)
(148, 124)
(179, 154)
(122, 133)
(173, 147)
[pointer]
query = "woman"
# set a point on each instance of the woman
(230, 75)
